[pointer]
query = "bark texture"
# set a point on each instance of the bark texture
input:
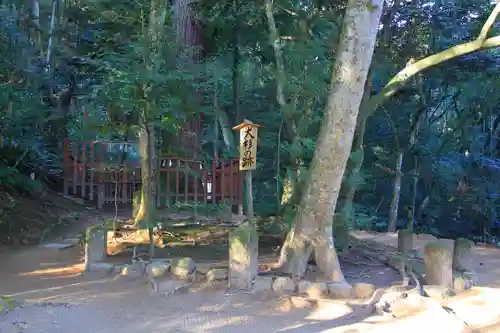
(396, 194)
(312, 227)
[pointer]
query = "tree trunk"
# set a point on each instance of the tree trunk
(396, 193)
(147, 138)
(312, 227)
(343, 219)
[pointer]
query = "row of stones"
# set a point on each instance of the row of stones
(184, 267)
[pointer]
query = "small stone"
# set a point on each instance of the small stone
(263, 283)
(283, 285)
(157, 268)
(136, 270)
(217, 274)
(340, 290)
(363, 290)
(182, 267)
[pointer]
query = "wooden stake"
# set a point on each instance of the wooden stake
(249, 196)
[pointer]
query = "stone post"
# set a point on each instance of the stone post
(95, 245)
(406, 241)
(462, 255)
(438, 265)
(243, 256)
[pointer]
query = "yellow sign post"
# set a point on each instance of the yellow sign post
(248, 157)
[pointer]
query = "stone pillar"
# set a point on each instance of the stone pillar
(462, 255)
(243, 256)
(438, 265)
(406, 241)
(95, 245)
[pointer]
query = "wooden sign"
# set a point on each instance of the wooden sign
(248, 144)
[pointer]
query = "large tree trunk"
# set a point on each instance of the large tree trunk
(312, 227)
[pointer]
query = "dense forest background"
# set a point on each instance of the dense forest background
(426, 156)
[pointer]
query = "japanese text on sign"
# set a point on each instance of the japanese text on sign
(248, 148)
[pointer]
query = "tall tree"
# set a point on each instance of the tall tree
(312, 227)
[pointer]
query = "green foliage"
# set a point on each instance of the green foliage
(101, 68)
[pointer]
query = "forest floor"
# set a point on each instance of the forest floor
(59, 299)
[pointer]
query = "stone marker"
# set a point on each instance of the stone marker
(243, 256)
(95, 245)
(438, 265)
(406, 242)
(462, 255)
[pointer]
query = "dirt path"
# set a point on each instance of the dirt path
(64, 301)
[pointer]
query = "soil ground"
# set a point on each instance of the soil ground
(62, 300)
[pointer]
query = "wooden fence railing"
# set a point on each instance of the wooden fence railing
(89, 174)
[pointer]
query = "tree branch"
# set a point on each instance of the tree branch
(398, 81)
(489, 23)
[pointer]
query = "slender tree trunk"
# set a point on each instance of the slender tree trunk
(147, 137)
(51, 32)
(396, 193)
(312, 227)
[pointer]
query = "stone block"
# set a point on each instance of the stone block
(243, 256)
(284, 285)
(438, 265)
(95, 245)
(406, 242)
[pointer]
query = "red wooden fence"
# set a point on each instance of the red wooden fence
(88, 175)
